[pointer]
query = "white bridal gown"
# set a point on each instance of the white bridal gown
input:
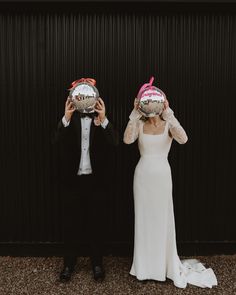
(155, 255)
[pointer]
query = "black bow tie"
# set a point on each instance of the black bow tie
(89, 115)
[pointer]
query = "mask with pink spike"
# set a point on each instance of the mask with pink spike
(150, 100)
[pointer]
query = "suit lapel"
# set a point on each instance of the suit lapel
(92, 131)
(77, 128)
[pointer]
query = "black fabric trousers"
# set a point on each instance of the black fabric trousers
(84, 222)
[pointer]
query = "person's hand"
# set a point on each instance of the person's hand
(135, 103)
(166, 104)
(69, 109)
(100, 109)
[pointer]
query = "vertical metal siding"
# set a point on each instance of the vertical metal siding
(192, 55)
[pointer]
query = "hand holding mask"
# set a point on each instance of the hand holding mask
(150, 100)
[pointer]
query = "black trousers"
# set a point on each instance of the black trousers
(84, 220)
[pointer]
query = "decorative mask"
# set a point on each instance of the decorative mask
(150, 100)
(84, 95)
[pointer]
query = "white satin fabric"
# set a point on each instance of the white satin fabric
(155, 254)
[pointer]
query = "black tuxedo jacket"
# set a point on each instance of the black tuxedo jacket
(101, 148)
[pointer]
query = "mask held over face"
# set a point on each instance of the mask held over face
(84, 95)
(150, 100)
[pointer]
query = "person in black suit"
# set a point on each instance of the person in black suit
(84, 141)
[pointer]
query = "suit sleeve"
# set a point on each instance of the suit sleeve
(111, 134)
(60, 132)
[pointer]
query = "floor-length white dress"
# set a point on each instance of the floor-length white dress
(155, 254)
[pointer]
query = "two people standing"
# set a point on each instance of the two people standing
(155, 255)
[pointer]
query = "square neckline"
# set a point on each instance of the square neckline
(154, 134)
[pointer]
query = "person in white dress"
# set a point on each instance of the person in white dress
(155, 254)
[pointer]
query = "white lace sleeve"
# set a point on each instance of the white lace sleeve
(132, 128)
(176, 130)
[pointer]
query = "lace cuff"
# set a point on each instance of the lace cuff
(176, 130)
(135, 115)
(132, 129)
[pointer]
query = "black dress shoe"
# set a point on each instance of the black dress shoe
(66, 273)
(98, 273)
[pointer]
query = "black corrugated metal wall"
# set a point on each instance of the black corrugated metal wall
(192, 54)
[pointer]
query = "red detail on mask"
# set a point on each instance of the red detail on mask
(86, 80)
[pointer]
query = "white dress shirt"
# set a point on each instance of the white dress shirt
(85, 163)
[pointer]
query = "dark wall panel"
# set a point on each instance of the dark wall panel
(193, 57)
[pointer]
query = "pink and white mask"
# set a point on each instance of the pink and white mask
(150, 100)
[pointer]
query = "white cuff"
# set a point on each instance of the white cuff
(104, 123)
(65, 122)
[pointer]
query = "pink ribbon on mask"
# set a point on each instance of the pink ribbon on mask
(145, 86)
(86, 80)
